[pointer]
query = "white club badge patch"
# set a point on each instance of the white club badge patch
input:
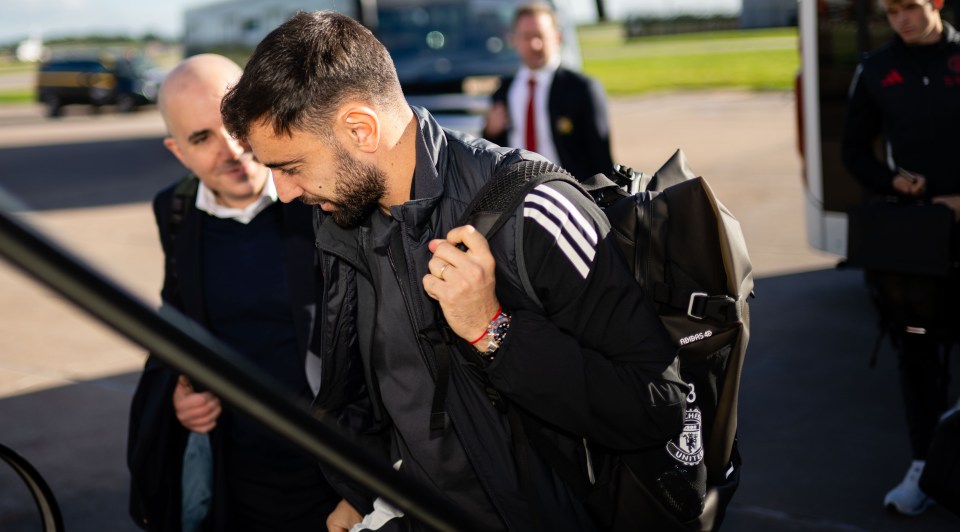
(687, 448)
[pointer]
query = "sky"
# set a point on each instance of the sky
(58, 18)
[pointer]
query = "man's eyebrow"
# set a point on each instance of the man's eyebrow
(283, 163)
(197, 135)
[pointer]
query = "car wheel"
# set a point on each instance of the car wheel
(126, 103)
(54, 107)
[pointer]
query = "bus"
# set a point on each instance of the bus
(449, 54)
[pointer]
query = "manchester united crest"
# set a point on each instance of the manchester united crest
(688, 447)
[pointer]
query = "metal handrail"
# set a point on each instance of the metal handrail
(175, 339)
(42, 495)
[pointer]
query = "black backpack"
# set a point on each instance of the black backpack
(689, 257)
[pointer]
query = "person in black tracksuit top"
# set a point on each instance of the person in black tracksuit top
(908, 92)
(391, 183)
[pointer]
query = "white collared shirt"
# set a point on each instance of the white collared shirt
(517, 98)
(207, 202)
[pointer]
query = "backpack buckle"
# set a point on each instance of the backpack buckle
(701, 307)
(720, 308)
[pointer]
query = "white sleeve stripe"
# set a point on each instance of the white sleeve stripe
(571, 210)
(856, 80)
(551, 227)
(567, 227)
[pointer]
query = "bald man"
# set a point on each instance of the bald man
(243, 266)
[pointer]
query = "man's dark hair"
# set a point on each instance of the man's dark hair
(302, 71)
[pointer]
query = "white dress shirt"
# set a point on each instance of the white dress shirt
(517, 98)
(207, 202)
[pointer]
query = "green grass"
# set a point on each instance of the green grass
(11, 66)
(743, 59)
(764, 59)
(10, 96)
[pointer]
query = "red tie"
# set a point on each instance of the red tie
(531, 117)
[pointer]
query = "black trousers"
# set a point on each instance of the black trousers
(924, 378)
(920, 313)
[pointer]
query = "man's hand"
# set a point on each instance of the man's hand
(343, 517)
(952, 201)
(498, 120)
(909, 183)
(197, 412)
(463, 281)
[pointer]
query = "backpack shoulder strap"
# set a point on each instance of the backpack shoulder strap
(502, 194)
(499, 198)
(184, 197)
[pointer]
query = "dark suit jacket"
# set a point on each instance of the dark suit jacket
(156, 439)
(578, 122)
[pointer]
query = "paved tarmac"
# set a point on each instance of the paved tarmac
(822, 435)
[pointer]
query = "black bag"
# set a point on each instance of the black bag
(900, 238)
(689, 257)
(941, 476)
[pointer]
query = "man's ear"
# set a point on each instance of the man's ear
(362, 124)
(171, 145)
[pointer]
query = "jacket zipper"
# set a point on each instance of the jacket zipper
(324, 347)
(411, 311)
(644, 209)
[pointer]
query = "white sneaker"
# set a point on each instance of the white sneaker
(907, 498)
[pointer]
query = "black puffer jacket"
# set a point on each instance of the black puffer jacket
(594, 364)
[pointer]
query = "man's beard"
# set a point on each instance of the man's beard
(359, 189)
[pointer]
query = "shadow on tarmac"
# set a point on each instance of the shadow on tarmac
(93, 174)
(822, 434)
(76, 437)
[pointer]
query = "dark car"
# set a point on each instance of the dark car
(98, 80)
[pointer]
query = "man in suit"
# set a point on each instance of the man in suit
(243, 266)
(547, 108)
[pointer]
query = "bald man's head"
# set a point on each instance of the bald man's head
(189, 101)
(211, 72)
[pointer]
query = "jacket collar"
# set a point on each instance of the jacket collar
(427, 186)
(949, 36)
(414, 215)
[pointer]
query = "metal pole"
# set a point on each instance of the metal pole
(176, 340)
(601, 11)
(42, 495)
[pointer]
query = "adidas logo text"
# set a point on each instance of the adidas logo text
(695, 337)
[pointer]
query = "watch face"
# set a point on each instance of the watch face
(496, 332)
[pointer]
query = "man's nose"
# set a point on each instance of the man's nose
(232, 147)
(286, 190)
